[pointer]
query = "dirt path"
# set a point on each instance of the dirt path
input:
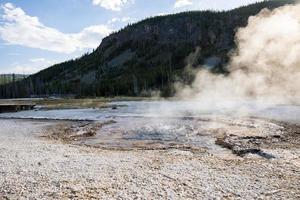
(36, 168)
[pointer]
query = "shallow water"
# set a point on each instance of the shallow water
(169, 109)
(164, 124)
(148, 133)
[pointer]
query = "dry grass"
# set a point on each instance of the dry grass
(69, 103)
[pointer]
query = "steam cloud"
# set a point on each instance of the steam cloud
(265, 65)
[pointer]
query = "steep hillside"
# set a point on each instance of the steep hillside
(149, 55)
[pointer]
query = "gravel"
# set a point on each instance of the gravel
(34, 167)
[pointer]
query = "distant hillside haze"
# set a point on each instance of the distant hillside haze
(145, 57)
(10, 78)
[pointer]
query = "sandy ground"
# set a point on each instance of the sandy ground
(34, 167)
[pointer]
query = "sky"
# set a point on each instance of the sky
(35, 34)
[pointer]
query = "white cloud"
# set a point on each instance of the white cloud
(115, 5)
(91, 37)
(182, 3)
(211, 5)
(163, 14)
(31, 66)
(26, 69)
(122, 20)
(34, 60)
(36, 35)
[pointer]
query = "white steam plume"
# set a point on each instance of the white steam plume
(265, 66)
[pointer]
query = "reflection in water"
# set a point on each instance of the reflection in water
(169, 109)
(160, 125)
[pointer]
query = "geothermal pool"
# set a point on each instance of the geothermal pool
(167, 124)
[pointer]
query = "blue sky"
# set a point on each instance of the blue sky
(34, 34)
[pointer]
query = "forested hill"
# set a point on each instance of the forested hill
(145, 56)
